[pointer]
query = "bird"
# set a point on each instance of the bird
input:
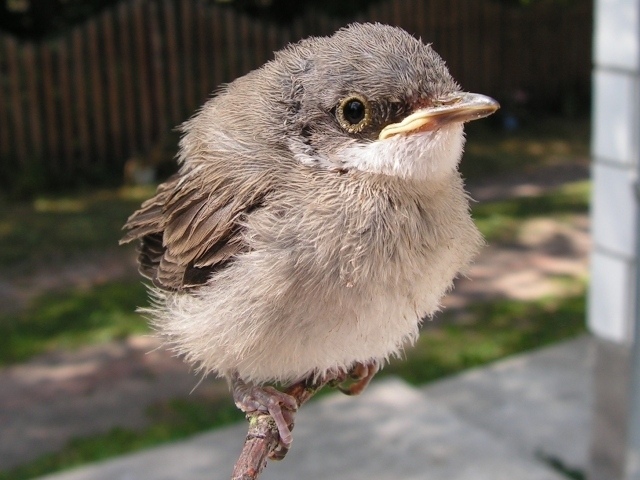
(317, 217)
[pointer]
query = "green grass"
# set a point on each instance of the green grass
(542, 142)
(72, 318)
(559, 466)
(487, 332)
(169, 421)
(499, 221)
(48, 230)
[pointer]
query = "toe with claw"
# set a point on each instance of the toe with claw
(279, 405)
(361, 375)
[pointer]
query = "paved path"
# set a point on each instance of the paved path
(493, 423)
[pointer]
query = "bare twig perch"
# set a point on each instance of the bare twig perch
(262, 438)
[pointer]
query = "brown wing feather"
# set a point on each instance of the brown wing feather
(187, 231)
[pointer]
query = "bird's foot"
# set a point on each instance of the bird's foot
(361, 374)
(279, 405)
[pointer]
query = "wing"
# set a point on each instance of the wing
(191, 228)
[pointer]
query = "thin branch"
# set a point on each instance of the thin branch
(261, 443)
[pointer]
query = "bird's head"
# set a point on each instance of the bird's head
(371, 97)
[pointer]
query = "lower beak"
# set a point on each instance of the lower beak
(459, 108)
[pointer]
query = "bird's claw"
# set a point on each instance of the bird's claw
(361, 374)
(279, 405)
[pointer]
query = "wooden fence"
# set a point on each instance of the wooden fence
(81, 104)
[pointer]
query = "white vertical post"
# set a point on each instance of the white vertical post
(615, 219)
(615, 157)
(632, 470)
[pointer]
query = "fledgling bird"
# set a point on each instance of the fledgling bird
(318, 215)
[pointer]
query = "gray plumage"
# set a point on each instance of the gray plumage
(289, 244)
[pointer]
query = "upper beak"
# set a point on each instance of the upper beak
(458, 108)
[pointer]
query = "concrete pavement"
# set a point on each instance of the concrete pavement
(497, 422)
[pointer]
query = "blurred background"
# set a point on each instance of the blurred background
(90, 93)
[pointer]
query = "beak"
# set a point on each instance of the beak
(458, 108)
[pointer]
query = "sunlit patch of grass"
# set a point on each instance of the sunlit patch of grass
(72, 318)
(499, 221)
(59, 205)
(169, 421)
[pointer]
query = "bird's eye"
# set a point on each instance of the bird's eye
(354, 113)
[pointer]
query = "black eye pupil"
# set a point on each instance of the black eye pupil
(353, 111)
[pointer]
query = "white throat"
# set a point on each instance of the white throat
(419, 156)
